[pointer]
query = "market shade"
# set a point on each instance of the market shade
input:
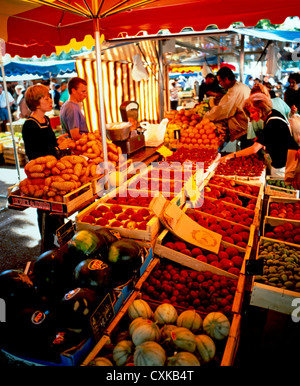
(47, 69)
(37, 30)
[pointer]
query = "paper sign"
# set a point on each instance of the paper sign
(180, 224)
(164, 151)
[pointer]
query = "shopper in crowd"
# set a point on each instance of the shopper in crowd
(56, 96)
(278, 104)
(22, 110)
(174, 97)
(72, 120)
(230, 107)
(292, 93)
(276, 136)
(39, 140)
(210, 87)
(4, 117)
(64, 93)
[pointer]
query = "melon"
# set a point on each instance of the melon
(148, 331)
(122, 352)
(205, 347)
(100, 361)
(165, 314)
(216, 325)
(149, 354)
(135, 323)
(189, 319)
(183, 358)
(166, 331)
(139, 308)
(183, 339)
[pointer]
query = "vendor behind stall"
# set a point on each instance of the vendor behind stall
(39, 140)
(230, 107)
(72, 120)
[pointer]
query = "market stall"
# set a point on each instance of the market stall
(170, 225)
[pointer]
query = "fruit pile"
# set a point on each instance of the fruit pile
(50, 179)
(223, 194)
(195, 132)
(117, 216)
(250, 166)
(289, 210)
(232, 233)
(130, 198)
(205, 155)
(279, 185)
(286, 232)
(281, 265)
(226, 211)
(187, 288)
(249, 189)
(163, 336)
(202, 134)
(173, 187)
(229, 258)
(90, 146)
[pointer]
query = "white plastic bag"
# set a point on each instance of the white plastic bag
(155, 133)
(139, 72)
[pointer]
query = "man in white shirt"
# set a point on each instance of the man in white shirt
(230, 107)
(3, 107)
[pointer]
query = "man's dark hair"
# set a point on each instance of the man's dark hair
(226, 72)
(75, 82)
(295, 76)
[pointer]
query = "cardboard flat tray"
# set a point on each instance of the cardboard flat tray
(191, 262)
(73, 201)
(272, 297)
(152, 227)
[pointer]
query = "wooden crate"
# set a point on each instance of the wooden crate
(272, 190)
(229, 346)
(191, 262)
(72, 202)
(272, 297)
(276, 221)
(9, 156)
(153, 225)
(285, 200)
(250, 229)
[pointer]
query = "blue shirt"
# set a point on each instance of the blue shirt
(71, 117)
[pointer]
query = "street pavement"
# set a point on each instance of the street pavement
(19, 233)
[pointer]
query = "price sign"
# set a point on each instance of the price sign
(65, 232)
(102, 316)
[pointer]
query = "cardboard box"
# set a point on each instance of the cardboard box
(272, 296)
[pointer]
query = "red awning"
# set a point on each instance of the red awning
(38, 30)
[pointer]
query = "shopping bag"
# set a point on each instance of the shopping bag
(292, 168)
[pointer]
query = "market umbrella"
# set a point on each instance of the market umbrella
(36, 27)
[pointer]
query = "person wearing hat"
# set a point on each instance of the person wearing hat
(3, 107)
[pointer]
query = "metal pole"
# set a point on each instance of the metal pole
(10, 117)
(161, 83)
(101, 95)
(242, 58)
